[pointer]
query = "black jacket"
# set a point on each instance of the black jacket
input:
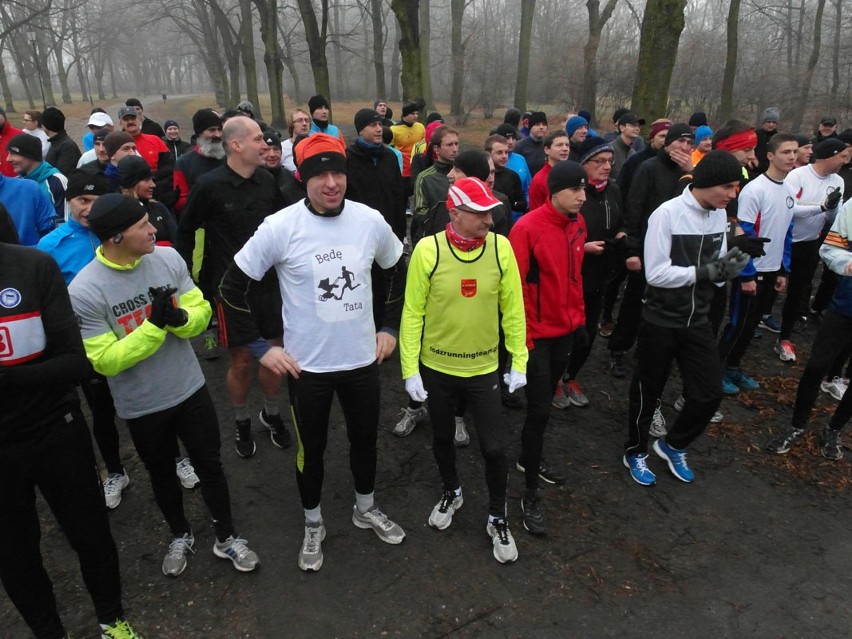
(628, 169)
(152, 128)
(508, 182)
(373, 178)
(63, 153)
(177, 147)
(655, 182)
(603, 215)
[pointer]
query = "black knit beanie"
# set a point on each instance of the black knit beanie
(715, 168)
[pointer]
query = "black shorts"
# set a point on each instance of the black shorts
(265, 303)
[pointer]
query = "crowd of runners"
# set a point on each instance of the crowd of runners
(309, 262)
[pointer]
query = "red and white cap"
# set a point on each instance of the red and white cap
(471, 193)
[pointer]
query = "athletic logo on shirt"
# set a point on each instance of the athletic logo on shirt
(341, 290)
(22, 338)
(468, 288)
(10, 297)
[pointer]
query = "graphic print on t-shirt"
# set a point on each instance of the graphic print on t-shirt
(340, 284)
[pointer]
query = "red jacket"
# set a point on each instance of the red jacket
(539, 193)
(150, 147)
(6, 134)
(549, 248)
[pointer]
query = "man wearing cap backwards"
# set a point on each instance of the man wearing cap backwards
(30, 208)
(207, 155)
(655, 182)
(45, 442)
(685, 257)
(64, 152)
(549, 244)
(137, 308)
(330, 341)
(291, 189)
(450, 335)
(557, 148)
(320, 112)
(531, 147)
(814, 185)
(147, 125)
(24, 154)
(7, 132)
(176, 146)
(406, 133)
(628, 126)
(230, 203)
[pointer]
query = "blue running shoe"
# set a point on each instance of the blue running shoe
(738, 378)
(676, 459)
(770, 324)
(729, 388)
(639, 471)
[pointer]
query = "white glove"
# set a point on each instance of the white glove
(514, 380)
(414, 388)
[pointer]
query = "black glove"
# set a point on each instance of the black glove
(752, 246)
(176, 316)
(161, 305)
(581, 338)
(832, 199)
(719, 269)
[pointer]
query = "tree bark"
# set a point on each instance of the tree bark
(457, 56)
(597, 20)
(425, 17)
(378, 47)
(407, 18)
(726, 105)
(662, 25)
(249, 61)
(230, 44)
(527, 15)
(801, 102)
(835, 61)
(8, 100)
(316, 45)
(395, 62)
(272, 59)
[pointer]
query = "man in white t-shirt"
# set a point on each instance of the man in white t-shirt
(323, 250)
(818, 185)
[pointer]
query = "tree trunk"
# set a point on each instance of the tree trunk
(4, 85)
(112, 78)
(287, 59)
(316, 45)
(597, 20)
(527, 15)
(378, 48)
(662, 25)
(339, 72)
(249, 61)
(62, 74)
(395, 61)
(230, 44)
(835, 62)
(726, 106)
(272, 59)
(801, 101)
(457, 55)
(406, 12)
(425, 13)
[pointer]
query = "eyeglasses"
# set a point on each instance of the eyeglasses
(602, 161)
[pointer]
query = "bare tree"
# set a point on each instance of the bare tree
(406, 12)
(317, 39)
(807, 77)
(726, 105)
(597, 20)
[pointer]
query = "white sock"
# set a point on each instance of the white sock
(313, 515)
(364, 502)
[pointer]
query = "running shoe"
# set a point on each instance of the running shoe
(119, 629)
(575, 393)
(505, 550)
(186, 474)
(442, 514)
(410, 418)
(375, 519)
(676, 459)
(784, 441)
(786, 350)
(639, 471)
(174, 563)
(461, 438)
(236, 549)
(836, 387)
(831, 446)
(113, 485)
(278, 434)
(245, 442)
(533, 512)
(310, 556)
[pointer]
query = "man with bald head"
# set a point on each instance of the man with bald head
(230, 202)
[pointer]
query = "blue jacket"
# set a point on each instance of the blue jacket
(30, 208)
(72, 245)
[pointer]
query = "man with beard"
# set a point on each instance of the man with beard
(206, 156)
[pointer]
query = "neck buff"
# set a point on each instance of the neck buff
(320, 124)
(311, 208)
(738, 141)
(599, 186)
(462, 243)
